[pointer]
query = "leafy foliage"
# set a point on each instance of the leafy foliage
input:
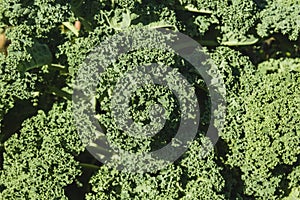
(39, 161)
(280, 17)
(40, 16)
(15, 84)
(186, 180)
(267, 130)
(233, 19)
(255, 46)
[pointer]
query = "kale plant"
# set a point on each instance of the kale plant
(254, 45)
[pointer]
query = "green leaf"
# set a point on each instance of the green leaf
(246, 42)
(192, 8)
(161, 24)
(125, 23)
(41, 55)
(294, 195)
(71, 27)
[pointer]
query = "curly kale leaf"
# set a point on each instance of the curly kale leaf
(280, 16)
(196, 176)
(265, 132)
(39, 161)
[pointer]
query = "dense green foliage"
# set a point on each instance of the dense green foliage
(266, 147)
(188, 180)
(255, 46)
(39, 161)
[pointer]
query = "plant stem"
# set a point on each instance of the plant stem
(60, 93)
(89, 166)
